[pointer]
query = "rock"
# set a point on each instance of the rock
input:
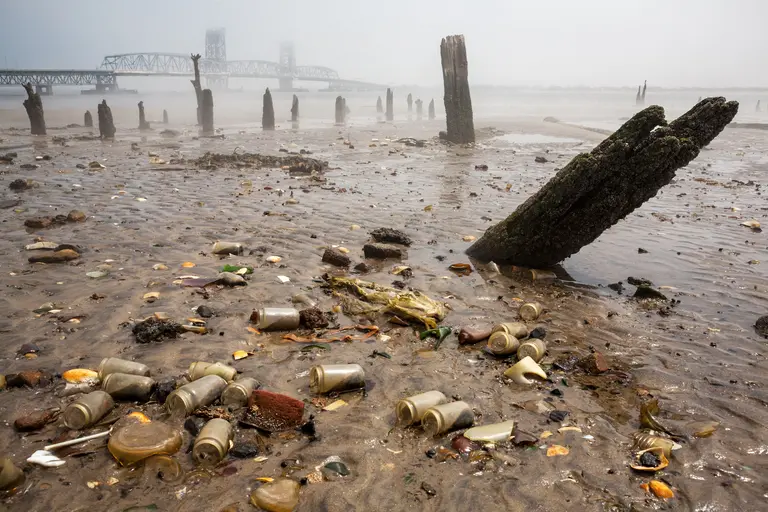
(273, 412)
(194, 425)
(41, 245)
(55, 257)
(28, 348)
(164, 388)
(558, 416)
(391, 236)
(538, 332)
(29, 166)
(29, 378)
(230, 279)
(617, 287)
(279, 495)
(381, 251)
(244, 450)
(313, 318)
(594, 364)
(646, 292)
(20, 185)
(336, 257)
(80, 166)
(76, 216)
(9, 203)
(362, 267)
(640, 250)
(540, 160)
(38, 222)
(204, 312)
(35, 420)
(639, 281)
(761, 326)
(153, 329)
(566, 362)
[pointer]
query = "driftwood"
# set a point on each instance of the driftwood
(143, 124)
(268, 112)
(409, 100)
(165, 117)
(106, 124)
(419, 110)
(431, 109)
(206, 112)
(34, 107)
(390, 106)
(88, 119)
(458, 103)
(295, 109)
(379, 106)
(198, 88)
(597, 189)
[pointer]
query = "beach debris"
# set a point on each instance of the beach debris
(153, 329)
(278, 495)
(55, 256)
(336, 257)
(391, 236)
(526, 366)
(46, 459)
(273, 412)
(650, 459)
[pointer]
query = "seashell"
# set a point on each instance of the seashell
(151, 296)
(469, 238)
(555, 450)
(159, 266)
(752, 224)
(274, 259)
(526, 366)
(196, 321)
(240, 354)
(80, 375)
(644, 440)
(658, 451)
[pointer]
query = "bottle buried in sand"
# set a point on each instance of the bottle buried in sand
(237, 392)
(542, 275)
(114, 365)
(502, 344)
(122, 386)
(200, 369)
(411, 410)
(213, 442)
(10, 475)
(493, 433)
(530, 311)
(276, 319)
(534, 349)
(87, 410)
(203, 391)
(336, 377)
(446, 417)
(525, 366)
(227, 248)
(517, 329)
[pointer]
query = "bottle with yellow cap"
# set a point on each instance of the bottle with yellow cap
(446, 417)
(410, 410)
(502, 344)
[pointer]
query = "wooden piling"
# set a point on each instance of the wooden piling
(757, 107)
(143, 124)
(34, 107)
(458, 103)
(637, 98)
(295, 109)
(198, 89)
(88, 119)
(645, 86)
(165, 117)
(409, 100)
(206, 112)
(339, 110)
(390, 105)
(419, 109)
(431, 109)
(106, 124)
(379, 107)
(268, 112)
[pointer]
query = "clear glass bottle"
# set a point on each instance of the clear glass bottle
(111, 365)
(530, 311)
(535, 349)
(502, 344)
(336, 377)
(493, 433)
(238, 392)
(446, 417)
(200, 369)
(410, 410)
(213, 442)
(122, 386)
(276, 319)
(517, 329)
(87, 410)
(203, 391)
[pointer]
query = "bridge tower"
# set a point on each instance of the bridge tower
(287, 66)
(216, 57)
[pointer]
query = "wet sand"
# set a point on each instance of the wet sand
(700, 358)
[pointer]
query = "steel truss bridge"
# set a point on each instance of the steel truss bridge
(214, 67)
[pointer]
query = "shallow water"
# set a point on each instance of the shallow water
(703, 359)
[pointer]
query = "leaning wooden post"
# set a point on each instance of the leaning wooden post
(409, 100)
(143, 124)
(379, 107)
(295, 109)
(595, 190)
(165, 117)
(34, 106)
(106, 124)
(431, 109)
(458, 103)
(268, 112)
(637, 98)
(198, 87)
(88, 119)
(390, 105)
(645, 86)
(419, 109)
(206, 112)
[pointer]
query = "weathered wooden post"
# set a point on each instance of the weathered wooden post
(106, 124)
(645, 85)
(458, 103)
(346, 109)
(88, 119)
(206, 112)
(268, 112)
(757, 107)
(165, 116)
(143, 124)
(34, 107)
(295, 109)
(198, 88)
(379, 107)
(339, 110)
(597, 189)
(637, 98)
(419, 110)
(431, 109)
(390, 105)
(409, 100)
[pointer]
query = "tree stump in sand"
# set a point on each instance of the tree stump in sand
(143, 124)
(165, 117)
(458, 103)
(295, 109)
(419, 109)
(597, 189)
(206, 112)
(106, 124)
(339, 110)
(431, 113)
(34, 107)
(198, 88)
(379, 107)
(268, 112)
(390, 106)
(88, 119)
(409, 100)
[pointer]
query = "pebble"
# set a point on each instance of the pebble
(336, 257)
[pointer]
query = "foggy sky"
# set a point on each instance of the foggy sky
(714, 43)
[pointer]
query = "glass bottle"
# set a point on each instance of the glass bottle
(411, 410)
(87, 410)
(203, 391)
